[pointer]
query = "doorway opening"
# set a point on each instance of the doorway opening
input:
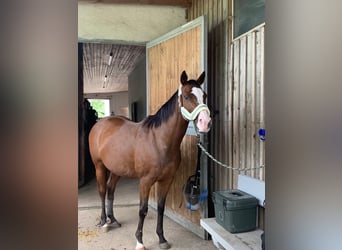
(102, 107)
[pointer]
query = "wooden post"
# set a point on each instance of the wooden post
(81, 158)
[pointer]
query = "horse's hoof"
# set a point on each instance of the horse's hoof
(112, 220)
(115, 222)
(101, 224)
(105, 227)
(140, 246)
(164, 245)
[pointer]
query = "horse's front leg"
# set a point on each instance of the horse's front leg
(145, 186)
(163, 188)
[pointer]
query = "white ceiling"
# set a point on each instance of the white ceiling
(96, 66)
(124, 29)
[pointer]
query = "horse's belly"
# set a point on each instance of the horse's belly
(117, 155)
(122, 168)
(119, 163)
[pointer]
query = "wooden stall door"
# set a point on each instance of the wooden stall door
(178, 50)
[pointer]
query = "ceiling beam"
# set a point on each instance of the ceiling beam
(181, 3)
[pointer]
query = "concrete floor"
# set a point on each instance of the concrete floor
(126, 206)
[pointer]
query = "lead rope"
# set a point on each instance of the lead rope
(199, 144)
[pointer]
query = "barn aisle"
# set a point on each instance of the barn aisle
(126, 211)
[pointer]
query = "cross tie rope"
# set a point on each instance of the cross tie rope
(225, 165)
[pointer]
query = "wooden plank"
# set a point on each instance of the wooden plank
(217, 91)
(242, 104)
(262, 100)
(230, 63)
(229, 241)
(258, 66)
(224, 51)
(230, 114)
(250, 109)
(236, 107)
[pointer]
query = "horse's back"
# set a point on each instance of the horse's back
(107, 128)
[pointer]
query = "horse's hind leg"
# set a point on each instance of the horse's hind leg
(111, 184)
(101, 177)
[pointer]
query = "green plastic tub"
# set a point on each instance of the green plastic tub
(235, 210)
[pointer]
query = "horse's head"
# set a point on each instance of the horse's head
(192, 100)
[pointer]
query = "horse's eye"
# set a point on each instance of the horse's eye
(186, 97)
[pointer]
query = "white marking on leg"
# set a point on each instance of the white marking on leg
(139, 246)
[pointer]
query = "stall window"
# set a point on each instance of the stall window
(247, 15)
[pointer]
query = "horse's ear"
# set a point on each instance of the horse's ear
(184, 78)
(200, 79)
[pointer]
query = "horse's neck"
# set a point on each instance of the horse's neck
(173, 130)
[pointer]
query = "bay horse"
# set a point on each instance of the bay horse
(148, 150)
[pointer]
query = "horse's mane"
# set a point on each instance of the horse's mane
(163, 114)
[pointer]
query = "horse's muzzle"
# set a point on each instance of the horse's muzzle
(203, 122)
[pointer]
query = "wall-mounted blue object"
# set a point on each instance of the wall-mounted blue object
(262, 134)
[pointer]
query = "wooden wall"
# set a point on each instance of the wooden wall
(236, 94)
(247, 75)
(166, 61)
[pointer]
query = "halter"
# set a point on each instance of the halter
(185, 113)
